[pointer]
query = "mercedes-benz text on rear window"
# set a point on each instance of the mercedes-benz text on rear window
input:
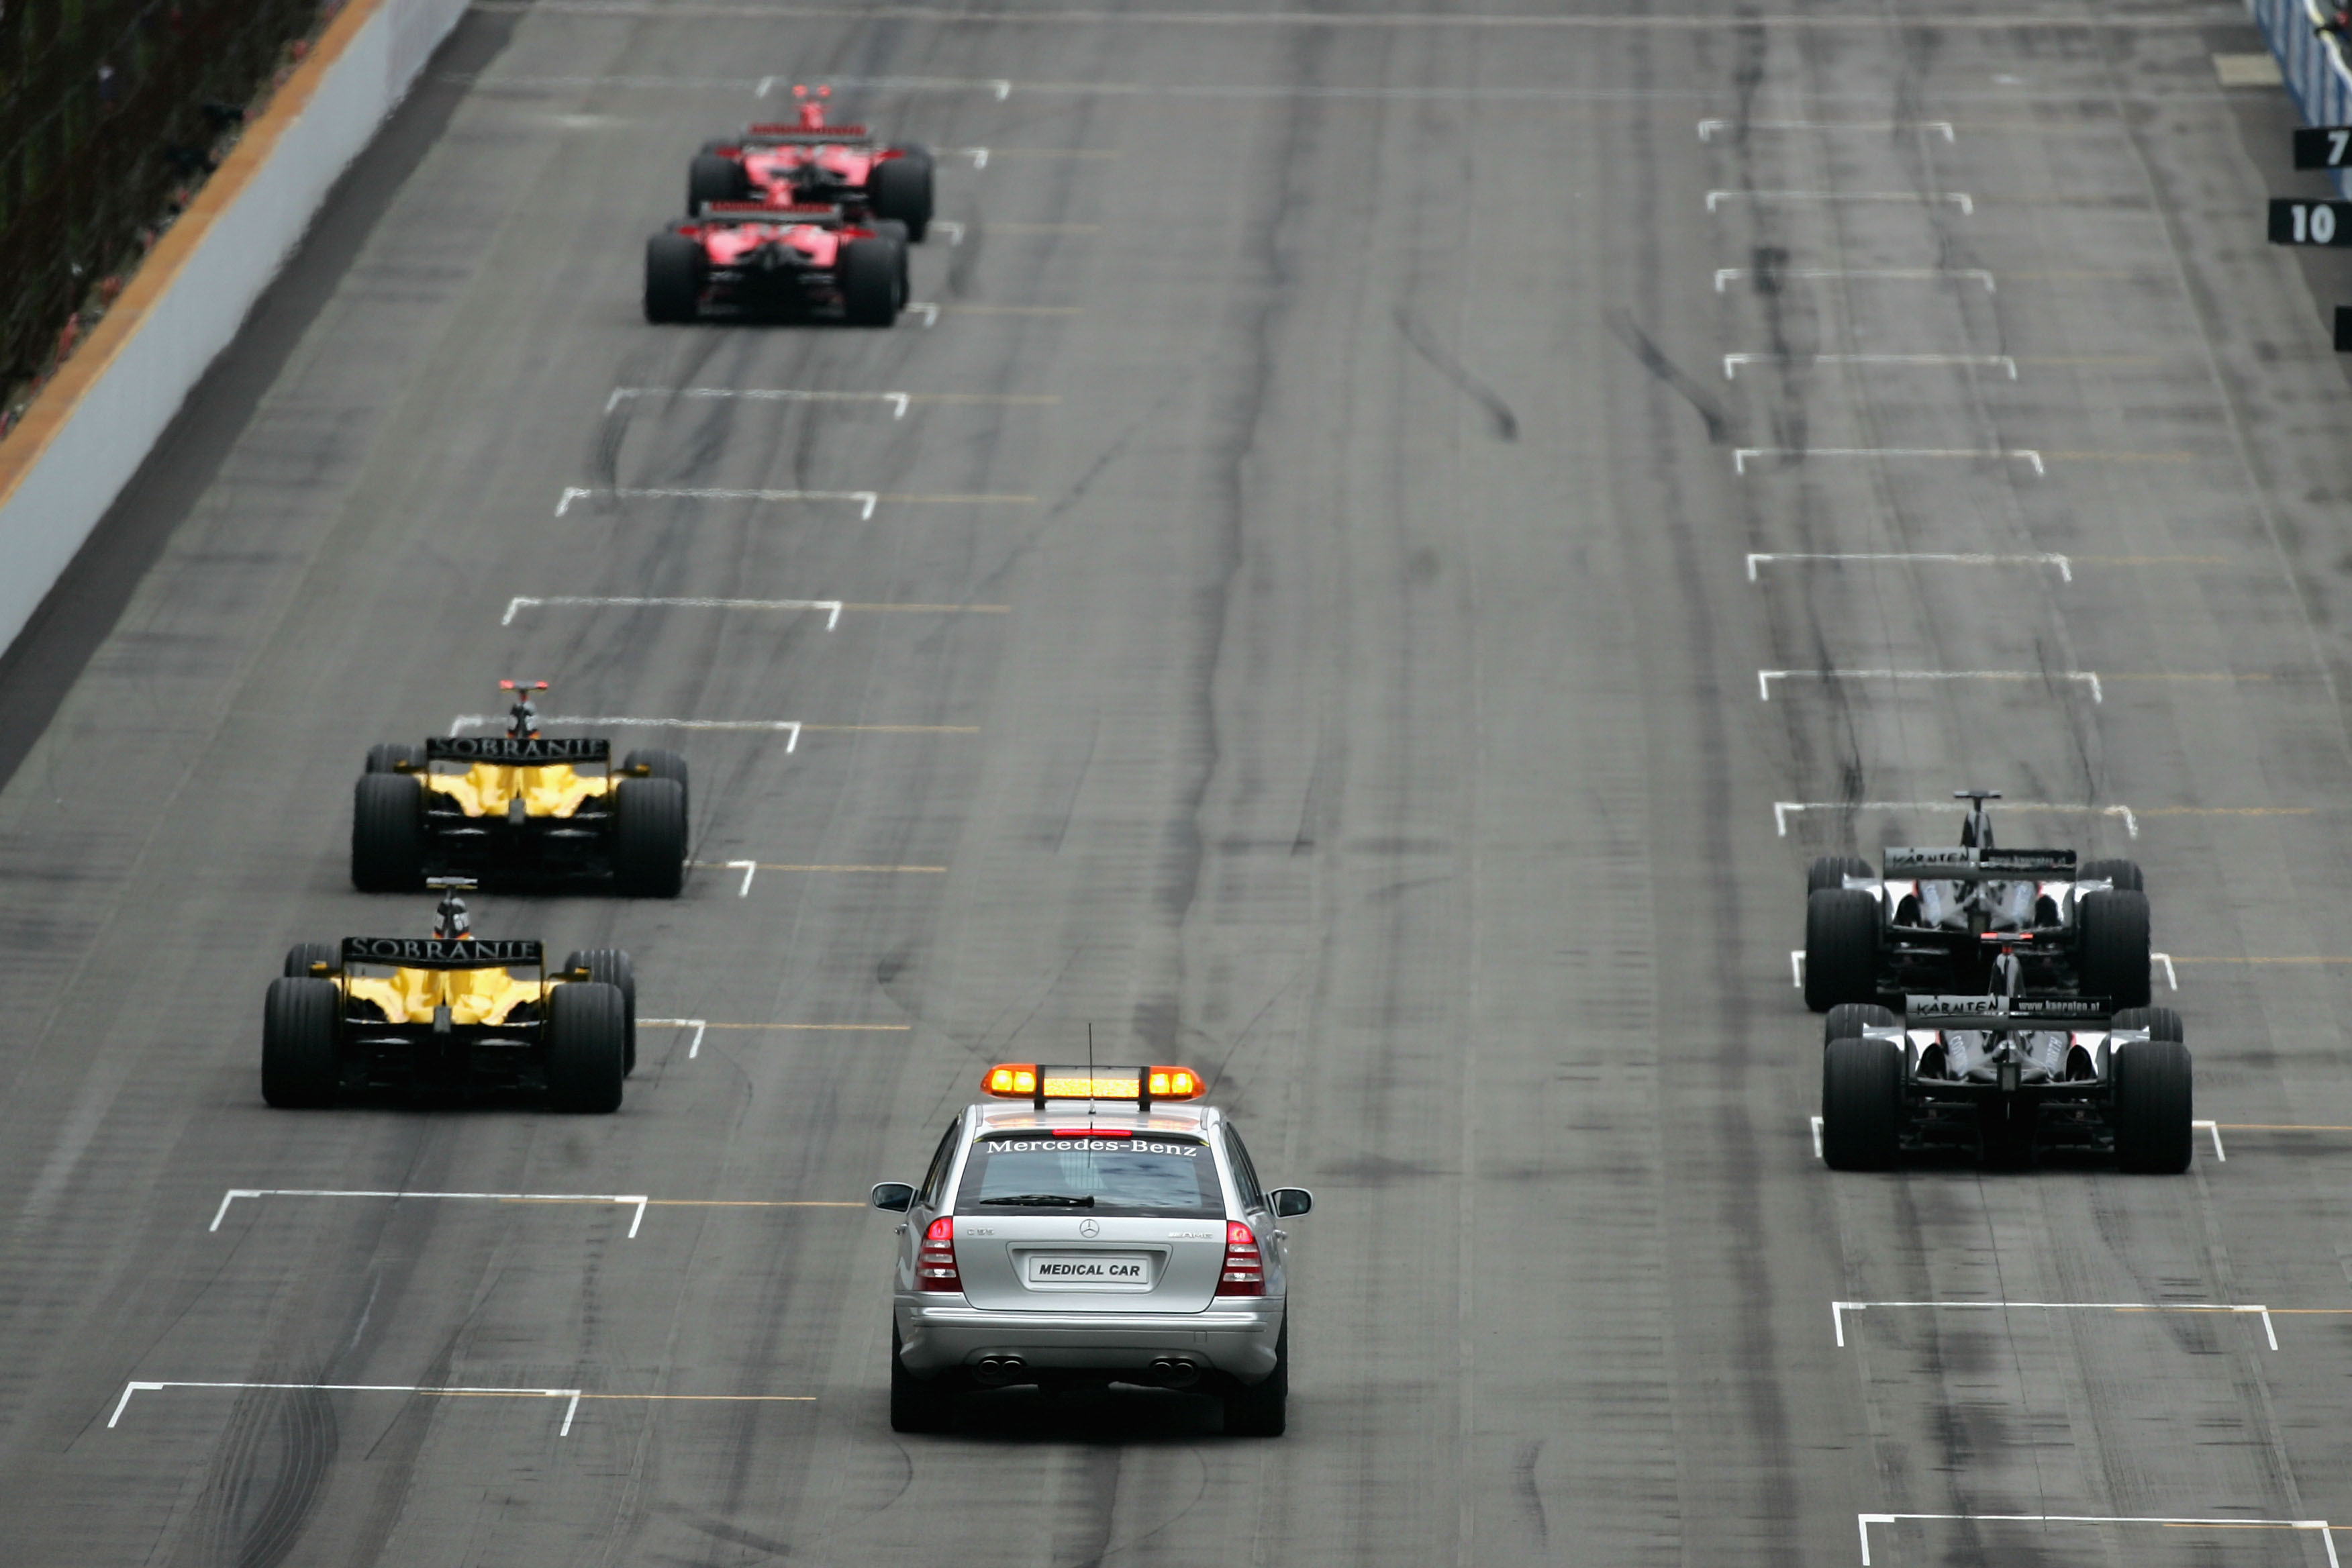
(1090, 1172)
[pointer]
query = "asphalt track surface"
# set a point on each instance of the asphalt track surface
(1361, 702)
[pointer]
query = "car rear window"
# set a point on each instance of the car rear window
(1089, 1173)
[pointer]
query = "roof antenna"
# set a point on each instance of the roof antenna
(1091, 1071)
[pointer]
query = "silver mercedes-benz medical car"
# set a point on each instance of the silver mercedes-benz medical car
(1103, 1229)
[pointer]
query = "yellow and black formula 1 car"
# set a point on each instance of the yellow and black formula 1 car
(451, 1015)
(519, 806)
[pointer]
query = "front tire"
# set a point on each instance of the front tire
(662, 764)
(1862, 1104)
(303, 954)
(2124, 874)
(2154, 1106)
(2115, 947)
(711, 178)
(1831, 871)
(901, 190)
(585, 1035)
(1841, 948)
(387, 834)
(916, 1405)
(1847, 1020)
(1263, 1409)
(384, 756)
(300, 1065)
(648, 838)
(2161, 1023)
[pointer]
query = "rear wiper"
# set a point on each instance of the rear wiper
(1045, 1200)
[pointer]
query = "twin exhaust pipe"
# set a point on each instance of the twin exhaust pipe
(1165, 1372)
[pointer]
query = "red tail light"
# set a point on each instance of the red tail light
(935, 1265)
(1245, 1272)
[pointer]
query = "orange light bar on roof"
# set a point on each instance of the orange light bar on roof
(1015, 1080)
(1029, 1081)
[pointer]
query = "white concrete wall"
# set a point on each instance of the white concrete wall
(107, 436)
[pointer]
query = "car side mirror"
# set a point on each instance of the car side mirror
(896, 1196)
(1290, 1201)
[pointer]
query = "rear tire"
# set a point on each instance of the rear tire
(916, 1405)
(648, 838)
(673, 264)
(384, 756)
(1862, 1104)
(900, 189)
(662, 764)
(711, 178)
(585, 1034)
(301, 1066)
(2114, 955)
(870, 269)
(2153, 1108)
(1831, 871)
(1263, 1409)
(2124, 874)
(1841, 948)
(2161, 1023)
(303, 954)
(387, 834)
(1847, 1020)
(612, 967)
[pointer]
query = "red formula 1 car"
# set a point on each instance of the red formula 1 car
(743, 260)
(815, 164)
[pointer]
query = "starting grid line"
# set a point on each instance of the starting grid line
(2318, 1526)
(637, 1202)
(699, 1025)
(1765, 677)
(899, 401)
(791, 728)
(1731, 363)
(1706, 128)
(1838, 1310)
(865, 501)
(571, 1396)
(753, 868)
(834, 608)
(2065, 563)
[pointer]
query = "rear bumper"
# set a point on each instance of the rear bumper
(937, 1333)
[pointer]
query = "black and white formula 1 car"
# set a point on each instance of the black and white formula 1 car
(1918, 923)
(2005, 1078)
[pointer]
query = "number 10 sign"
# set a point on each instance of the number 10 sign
(2297, 222)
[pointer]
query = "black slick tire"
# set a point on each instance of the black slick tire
(612, 967)
(2114, 955)
(1841, 948)
(1847, 1020)
(1862, 1104)
(387, 834)
(2161, 1023)
(2154, 1106)
(916, 1405)
(586, 1034)
(662, 764)
(1831, 871)
(648, 838)
(1263, 1409)
(303, 954)
(2124, 874)
(870, 269)
(901, 191)
(711, 178)
(301, 1066)
(385, 756)
(673, 277)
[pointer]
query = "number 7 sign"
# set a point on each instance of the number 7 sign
(2324, 147)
